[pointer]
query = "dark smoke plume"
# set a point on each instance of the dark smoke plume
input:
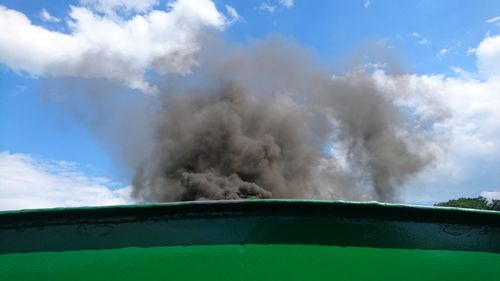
(262, 122)
(223, 143)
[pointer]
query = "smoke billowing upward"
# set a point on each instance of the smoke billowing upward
(226, 145)
(267, 121)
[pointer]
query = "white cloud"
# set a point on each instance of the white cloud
(272, 6)
(443, 52)
(367, 3)
(471, 51)
(468, 123)
(462, 73)
(424, 41)
(491, 195)
(27, 182)
(464, 111)
(286, 3)
(488, 56)
(460, 116)
(46, 16)
(417, 37)
(112, 7)
(233, 15)
(99, 46)
(494, 20)
(268, 7)
(469, 108)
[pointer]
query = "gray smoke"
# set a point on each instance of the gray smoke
(222, 143)
(384, 143)
(263, 121)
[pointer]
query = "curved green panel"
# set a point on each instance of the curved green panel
(250, 240)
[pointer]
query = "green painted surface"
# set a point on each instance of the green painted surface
(251, 262)
(250, 240)
(250, 222)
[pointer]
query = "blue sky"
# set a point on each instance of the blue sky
(434, 42)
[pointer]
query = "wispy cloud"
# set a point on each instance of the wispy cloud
(114, 7)
(47, 17)
(494, 20)
(272, 6)
(443, 52)
(268, 7)
(233, 15)
(424, 41)
(286, 3)
(367, 3)
(418, 38)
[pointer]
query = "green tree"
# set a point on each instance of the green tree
(495, 205)
(471, 203)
